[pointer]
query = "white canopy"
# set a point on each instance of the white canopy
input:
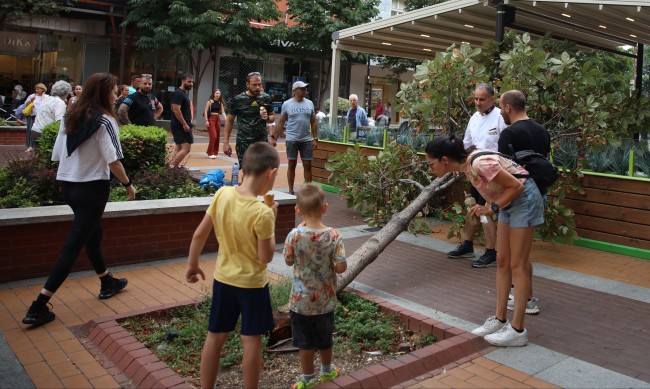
(602, 24)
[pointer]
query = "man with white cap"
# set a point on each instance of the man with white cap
(301, 131)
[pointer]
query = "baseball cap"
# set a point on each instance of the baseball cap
(299, 84)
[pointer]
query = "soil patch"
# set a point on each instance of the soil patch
(364, 337)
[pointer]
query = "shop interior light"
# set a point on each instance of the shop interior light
(630, 19)
(566, 15)
(469, 26)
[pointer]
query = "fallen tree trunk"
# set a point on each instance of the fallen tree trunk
(370, 250)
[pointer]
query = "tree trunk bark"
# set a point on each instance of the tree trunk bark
(370, 250)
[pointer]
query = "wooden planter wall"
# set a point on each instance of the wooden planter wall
(613, 209)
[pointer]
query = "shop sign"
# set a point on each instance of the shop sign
(18, 43)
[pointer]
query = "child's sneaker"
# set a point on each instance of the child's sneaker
(325, 377)
(302, 384)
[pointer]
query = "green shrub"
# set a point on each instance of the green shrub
(28, 183)
(46, 143)
(343, 105)
(143, 147)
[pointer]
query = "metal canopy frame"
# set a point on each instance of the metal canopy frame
(599, 24)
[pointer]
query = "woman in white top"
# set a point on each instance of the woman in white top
(88, 150)
(37, 97)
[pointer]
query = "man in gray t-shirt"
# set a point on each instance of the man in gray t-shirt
(301, 131)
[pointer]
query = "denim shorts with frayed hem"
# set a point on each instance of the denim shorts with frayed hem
(527, 210)
(306, 150)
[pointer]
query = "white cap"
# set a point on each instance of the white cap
(299, 84)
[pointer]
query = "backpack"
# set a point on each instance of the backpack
(213, 178)
(540, 169)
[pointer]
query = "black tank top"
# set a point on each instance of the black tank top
(215, 107)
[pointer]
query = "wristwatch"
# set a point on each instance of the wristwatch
(494, 207)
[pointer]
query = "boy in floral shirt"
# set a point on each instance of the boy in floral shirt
(317, 255)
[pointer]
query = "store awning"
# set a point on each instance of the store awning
(604, 24)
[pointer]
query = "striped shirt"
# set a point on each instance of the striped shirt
(89, 162)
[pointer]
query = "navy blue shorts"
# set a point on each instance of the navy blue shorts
(312, 332)
(228, 302)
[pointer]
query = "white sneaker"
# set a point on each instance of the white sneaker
(212, 157)
(491, 325)
(531, 305)
(508, 337)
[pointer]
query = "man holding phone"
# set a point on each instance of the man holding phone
(253, 109)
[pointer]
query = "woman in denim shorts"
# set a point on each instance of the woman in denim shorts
(520, 207)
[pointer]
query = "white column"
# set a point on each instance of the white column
(334, 85)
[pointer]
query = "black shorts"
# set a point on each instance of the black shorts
(228, 302)
(180, 136)
(312, 332)
(479, 199)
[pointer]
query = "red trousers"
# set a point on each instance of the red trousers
(214, 131)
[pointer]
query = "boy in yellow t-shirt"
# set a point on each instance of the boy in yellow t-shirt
(245, 229)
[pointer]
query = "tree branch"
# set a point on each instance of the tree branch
(371, 249)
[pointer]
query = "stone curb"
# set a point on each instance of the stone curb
(131, 358)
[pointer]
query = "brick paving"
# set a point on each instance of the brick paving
(597, 327)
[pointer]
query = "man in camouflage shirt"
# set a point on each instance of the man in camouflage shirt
(253, 110)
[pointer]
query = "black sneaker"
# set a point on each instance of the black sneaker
(461, 251)
(39, 313)
(111, 285)
(486, 260)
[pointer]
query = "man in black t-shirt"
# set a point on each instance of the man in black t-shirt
(142, 107)
(181, 122)
(523, 134)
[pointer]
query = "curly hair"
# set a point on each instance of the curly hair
(61, 88)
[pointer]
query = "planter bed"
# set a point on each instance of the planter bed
(130, 360)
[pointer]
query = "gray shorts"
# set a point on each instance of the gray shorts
(305, 149)
(527, 210)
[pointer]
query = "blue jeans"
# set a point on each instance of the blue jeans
(28, 139)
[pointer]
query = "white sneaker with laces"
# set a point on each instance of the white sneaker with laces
(508, 337)
(531, 305)
(491, 325)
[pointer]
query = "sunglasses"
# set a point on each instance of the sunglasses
(251, 74)
(147, 75)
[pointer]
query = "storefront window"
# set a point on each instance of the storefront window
(32, 58)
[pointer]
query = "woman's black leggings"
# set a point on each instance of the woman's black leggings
(87, 200)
